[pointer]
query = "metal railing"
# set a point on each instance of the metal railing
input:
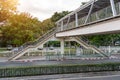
(84, 53)
(102, 14)
(109, 49)
(85, 41)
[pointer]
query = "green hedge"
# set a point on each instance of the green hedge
(57, 69)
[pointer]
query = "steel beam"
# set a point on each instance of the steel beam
(89, 12)
(68, 20)
(119, 7)
(76, 19)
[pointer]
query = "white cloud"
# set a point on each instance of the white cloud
(43, 9)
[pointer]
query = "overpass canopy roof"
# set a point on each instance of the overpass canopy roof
(83, 10)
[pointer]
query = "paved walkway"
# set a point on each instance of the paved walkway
(3, 59)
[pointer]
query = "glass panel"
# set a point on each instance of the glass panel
(101, 14)
(59, 26)
(109, 11)
(71, 25)
(117, 8)
(92, 18)
(81, 21)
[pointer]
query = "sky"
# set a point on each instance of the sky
(43, 9)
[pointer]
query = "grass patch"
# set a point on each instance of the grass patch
(3, 49)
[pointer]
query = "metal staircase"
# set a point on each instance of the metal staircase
(85, 44)
(25, 47)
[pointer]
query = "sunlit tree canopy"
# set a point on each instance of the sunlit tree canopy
(7, 7)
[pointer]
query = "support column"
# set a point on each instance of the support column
(69, 47)
(113, 7)
(76, 19)
(62, 46)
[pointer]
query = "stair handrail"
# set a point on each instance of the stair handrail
(81, 41)
(30, 43)
(26, 46)
(99, 50)
(45, 35)
(91, 46)
(84, 39)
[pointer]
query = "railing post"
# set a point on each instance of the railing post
(69, 47)
(61, 25)
(76, 19)
(113, 7)
(109, 49)
(119, 6)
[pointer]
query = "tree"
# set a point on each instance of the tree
(21, 28)
(58, 16)
(7, 7)
(104, 40)
(83, 3)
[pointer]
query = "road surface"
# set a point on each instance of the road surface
(36, 63)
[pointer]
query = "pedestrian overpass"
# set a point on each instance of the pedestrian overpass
(94, 17)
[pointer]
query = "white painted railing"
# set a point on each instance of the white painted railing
(110, 49)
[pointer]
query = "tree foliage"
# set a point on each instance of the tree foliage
(7, 7)
(47, 25)
(58, 16)
(20, 29)
(104, 40)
